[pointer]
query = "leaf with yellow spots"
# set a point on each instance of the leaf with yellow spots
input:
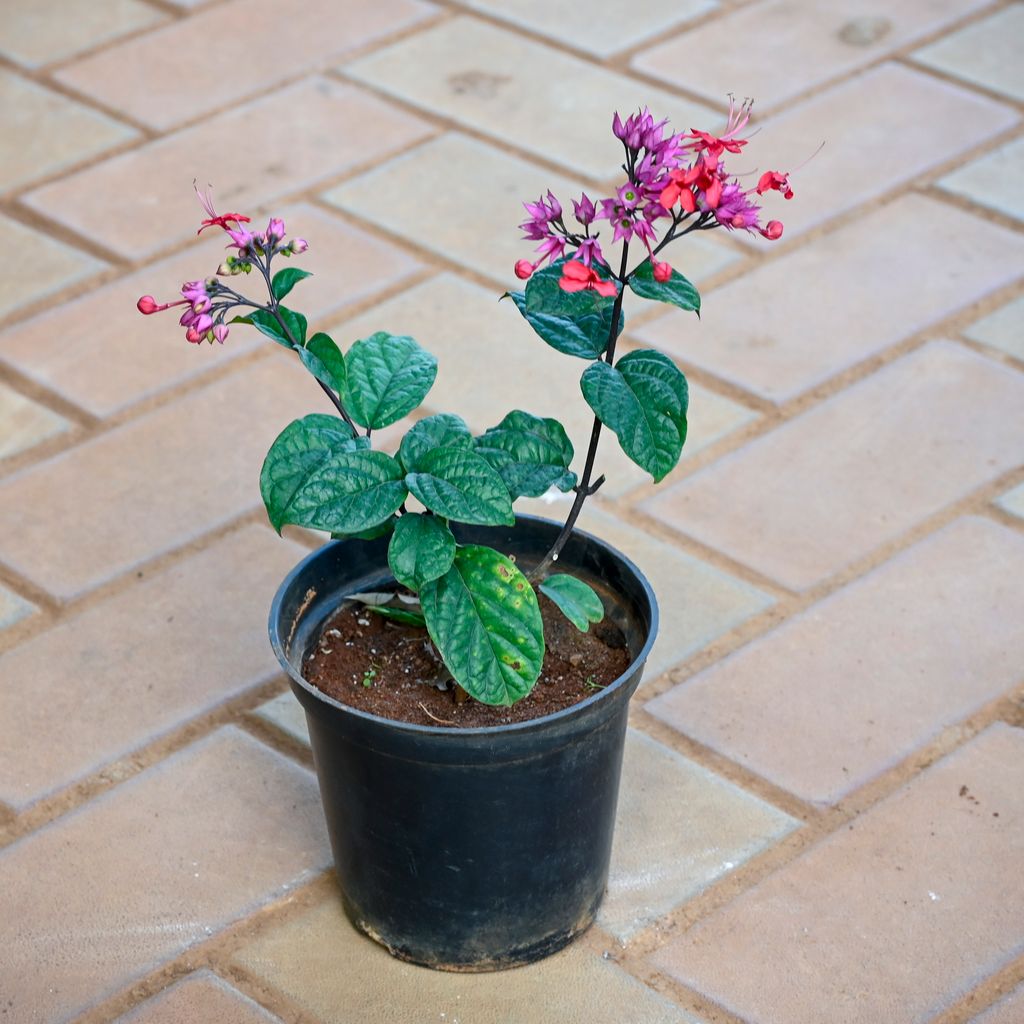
(485, 621)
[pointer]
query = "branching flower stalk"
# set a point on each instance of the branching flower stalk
(481, 612)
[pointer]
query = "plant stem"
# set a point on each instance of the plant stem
(273, 308)
(583, 488)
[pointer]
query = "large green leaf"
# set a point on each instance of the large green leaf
(266, 323)
(530, 453)
(421, 549)
(388, 376)
(544, 295)
(302, 448)
(459, 484)
(349, 492)
(285, 280)
(585, 336)
(578, 601)
(373, 532)
(324, 360)
(441, 431)
(643, 400)
(485, 621)
(676, 290)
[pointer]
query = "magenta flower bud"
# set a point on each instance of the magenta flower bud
(524, 268)
(662, 272)
(298, 245)
(275, 230)
(203, 324)
(240, 237)
(618, 129)
(584, 209)
(220, 332)
(554, 206)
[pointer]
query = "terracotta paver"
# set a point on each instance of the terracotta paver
(871, 145)
(324, 127)
(44, 266)
(169, 659)
(892, 918)
(846, 689)
(823, 40)
(36, 32)
(823, 506)
(667, 852)
(24, 423)
(76, 134)
(142, 76)
(158, 472)
(1002, 329)
(856, 403)
(170, 857)
(1008, 1010)
(708, 602)
(983, 53)
(990, 179)
(301, 958)
(499, 83)
(798, 320)
(202, 996)
(1013, 501)
(99, 353)
(285, 713)
(431, 188)
(608, 27)
(13, 608)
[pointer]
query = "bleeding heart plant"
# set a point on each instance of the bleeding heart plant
(479, 608)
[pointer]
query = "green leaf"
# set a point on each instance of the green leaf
(441, 431)
(398, 615)
(577, 600)
(485, 621)
(676, 290)
(458, 484)
(380, 530)
(266, 323)
(388, 376)
(350, 491)
(303, 447)
(585, 337)
(324, 360)
(285, 280)
(421, 549)
(543, 295)
(643, 399)
(531, 454)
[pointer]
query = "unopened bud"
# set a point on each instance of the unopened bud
(662, 272)
(524, 268)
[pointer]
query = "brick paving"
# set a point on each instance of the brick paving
(821, 816)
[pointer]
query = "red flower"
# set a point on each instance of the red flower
(661, 272)
(576, 277)
(773, 180)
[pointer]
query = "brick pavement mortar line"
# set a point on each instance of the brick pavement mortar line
(126, 767)
(989, 991)
(215, 954)
(899, 53)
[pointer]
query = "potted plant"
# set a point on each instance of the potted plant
(470, 807)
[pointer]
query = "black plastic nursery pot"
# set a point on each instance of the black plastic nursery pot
(468, 849)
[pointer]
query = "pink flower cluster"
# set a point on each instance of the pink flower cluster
(669, 177)
(209, 301)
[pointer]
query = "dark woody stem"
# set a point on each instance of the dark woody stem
(273, 308)
(585, 488)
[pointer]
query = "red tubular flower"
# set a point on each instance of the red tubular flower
(576, 277)
(774, 180)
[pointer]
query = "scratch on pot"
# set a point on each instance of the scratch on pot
(306, 602)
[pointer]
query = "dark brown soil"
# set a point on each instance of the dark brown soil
(385, 668)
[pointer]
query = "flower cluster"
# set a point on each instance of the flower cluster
(208, 302)
(669, 178)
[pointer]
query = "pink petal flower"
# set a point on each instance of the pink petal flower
(661, 272)
(524, 268)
